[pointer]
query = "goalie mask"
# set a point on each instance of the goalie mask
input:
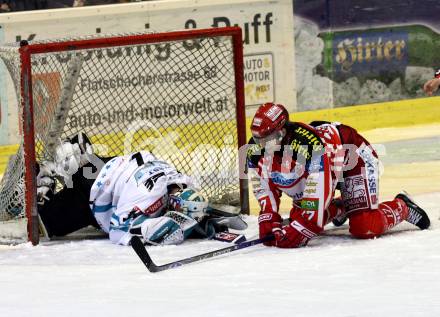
(190, 202)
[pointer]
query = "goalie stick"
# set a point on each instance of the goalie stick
(139, 248)
(56, 127)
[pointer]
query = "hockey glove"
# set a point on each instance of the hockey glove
(45, 182)
(269, 223)
(297, 233)
(72, 154)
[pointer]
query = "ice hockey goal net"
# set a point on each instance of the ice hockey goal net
(176, 94)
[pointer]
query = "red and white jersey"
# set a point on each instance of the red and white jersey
(306, 168)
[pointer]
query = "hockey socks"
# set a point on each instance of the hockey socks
(373, 223)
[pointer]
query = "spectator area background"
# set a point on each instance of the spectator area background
(267, 33)
(360, 52)
(323, 80)
(25, 5)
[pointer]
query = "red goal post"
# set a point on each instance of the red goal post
(177, 94)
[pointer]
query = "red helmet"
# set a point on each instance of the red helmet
(269, 118)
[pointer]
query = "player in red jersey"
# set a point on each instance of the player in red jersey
(308, 162)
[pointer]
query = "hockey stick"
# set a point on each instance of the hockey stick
(140, 250)
(56, 127)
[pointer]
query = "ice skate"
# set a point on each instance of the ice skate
(417, 216)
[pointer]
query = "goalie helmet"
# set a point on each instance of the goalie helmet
(190, 202)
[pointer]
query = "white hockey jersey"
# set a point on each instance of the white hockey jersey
(134, 182)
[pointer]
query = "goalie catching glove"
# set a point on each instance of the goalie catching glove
(72, 154)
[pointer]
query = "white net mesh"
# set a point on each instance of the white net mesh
(12, 183)
(173, 98)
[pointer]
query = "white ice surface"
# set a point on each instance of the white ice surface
(395, 275)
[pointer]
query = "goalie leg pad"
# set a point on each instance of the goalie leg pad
(162, 230)
(169, 229)
(186, 223)
(172, 228)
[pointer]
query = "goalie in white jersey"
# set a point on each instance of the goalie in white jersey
(131, 194)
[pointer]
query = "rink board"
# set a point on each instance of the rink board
(363, 118)
(378, 115)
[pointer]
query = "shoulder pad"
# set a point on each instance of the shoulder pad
(304, 140)
(253, 153)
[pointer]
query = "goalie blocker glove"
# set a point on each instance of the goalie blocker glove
(45, 182)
